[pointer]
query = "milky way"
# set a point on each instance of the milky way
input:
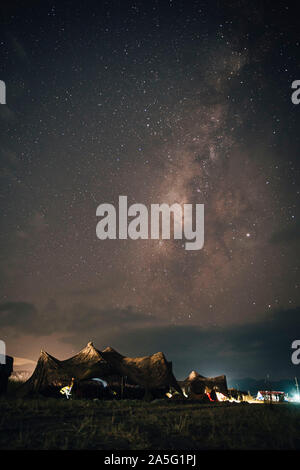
(162, 103)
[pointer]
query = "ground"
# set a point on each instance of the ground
(162, 424)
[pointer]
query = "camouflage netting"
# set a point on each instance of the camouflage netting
(150, 372)
(197, 384)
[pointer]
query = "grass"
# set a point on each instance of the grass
(159, 425)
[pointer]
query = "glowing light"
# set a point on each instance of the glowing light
(296, 398)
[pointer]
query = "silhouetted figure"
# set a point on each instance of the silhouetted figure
(5, 372)
(67, 391)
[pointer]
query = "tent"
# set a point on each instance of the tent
(150, 372)
(50, 372)
(239, 395)
(196, 385)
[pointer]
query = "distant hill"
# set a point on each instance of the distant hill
(253, 385)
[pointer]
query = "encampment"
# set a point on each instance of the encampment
(148, 375)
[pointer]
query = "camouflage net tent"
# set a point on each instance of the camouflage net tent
(149, 373)
(196, 386)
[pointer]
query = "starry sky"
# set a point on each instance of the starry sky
(162, 101)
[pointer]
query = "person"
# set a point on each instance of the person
(67, 391)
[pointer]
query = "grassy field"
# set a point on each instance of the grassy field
(162, 424)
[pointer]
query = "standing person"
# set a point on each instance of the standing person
(68, 389)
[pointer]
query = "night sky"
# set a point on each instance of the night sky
(162, 101)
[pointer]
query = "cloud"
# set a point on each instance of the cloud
(22, 361)
(17, 314)
(253, 349)
(80, 319)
